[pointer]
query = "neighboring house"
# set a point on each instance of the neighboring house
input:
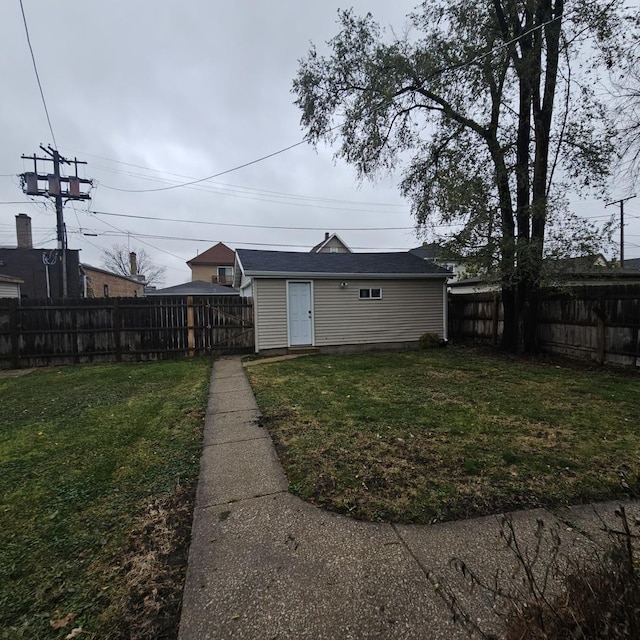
(338, 301)
(434, 252)
(465, 286)
(10, 286)
(101, 283)
(195, 288)
(332, 243)
(592, 270)
(579, 264)
(214, 265)
(632, 263)
(40, 270)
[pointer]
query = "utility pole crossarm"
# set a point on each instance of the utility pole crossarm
(54, 182)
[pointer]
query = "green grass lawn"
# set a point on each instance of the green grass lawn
(88, 456)
(448, 433)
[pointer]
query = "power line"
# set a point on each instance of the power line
(266, 192)
(140, 236)
(215, 175)
(306, 201)
(284, 227)
(250, 226)
(35, 68)
(128, 233)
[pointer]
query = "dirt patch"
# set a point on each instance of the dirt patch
(153, 569)
(14, 373)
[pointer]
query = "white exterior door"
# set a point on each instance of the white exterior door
(300, 314)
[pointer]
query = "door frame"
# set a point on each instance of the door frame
(313, 321)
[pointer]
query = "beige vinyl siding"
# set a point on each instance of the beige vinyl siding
(207, 272)
(408, 309)
(202, 272)
(270, 304)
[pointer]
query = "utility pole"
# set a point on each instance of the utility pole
(54, 189)
(621, 203)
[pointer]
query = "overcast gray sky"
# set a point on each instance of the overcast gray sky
(154, 93)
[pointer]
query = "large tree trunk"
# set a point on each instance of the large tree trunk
(510, 325)
(549, 14)
(530, 319)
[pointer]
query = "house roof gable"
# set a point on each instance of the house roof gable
(318, 248)
(218, 254)
(254, 262)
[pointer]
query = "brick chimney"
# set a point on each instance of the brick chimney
(326, 235)
(133, 264)
(23, 231)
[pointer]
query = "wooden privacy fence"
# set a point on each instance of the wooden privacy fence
(598, 322)
(41, 332)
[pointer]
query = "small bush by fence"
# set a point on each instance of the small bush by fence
(41, 332)
(599, 322)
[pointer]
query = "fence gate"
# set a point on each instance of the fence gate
(220, 324)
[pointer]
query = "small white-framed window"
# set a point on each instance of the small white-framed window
(333, 249)
(371, 294)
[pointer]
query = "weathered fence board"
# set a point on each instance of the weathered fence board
(41, 332)
(593, 322)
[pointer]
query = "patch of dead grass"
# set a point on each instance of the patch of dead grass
(152, 569)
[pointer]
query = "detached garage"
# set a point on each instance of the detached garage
(334, 301)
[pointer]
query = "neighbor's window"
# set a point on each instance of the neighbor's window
(333, 249)
(105, 290)
(371, 294)
(225, 274)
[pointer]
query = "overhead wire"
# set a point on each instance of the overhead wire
(137, 236)
(267, 192)
(248, 226)
(141, 236)
(35, 68)
(306, 201)
(215, 175)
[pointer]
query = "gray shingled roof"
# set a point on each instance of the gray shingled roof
(195, 288)
(632, 263)
(258, 262)
(429, 251)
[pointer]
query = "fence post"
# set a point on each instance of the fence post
(117, 329)
(601, 334)
(15, 333)
(76, 335)
(191, 337)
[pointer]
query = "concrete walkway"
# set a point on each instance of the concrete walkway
(265, 565)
